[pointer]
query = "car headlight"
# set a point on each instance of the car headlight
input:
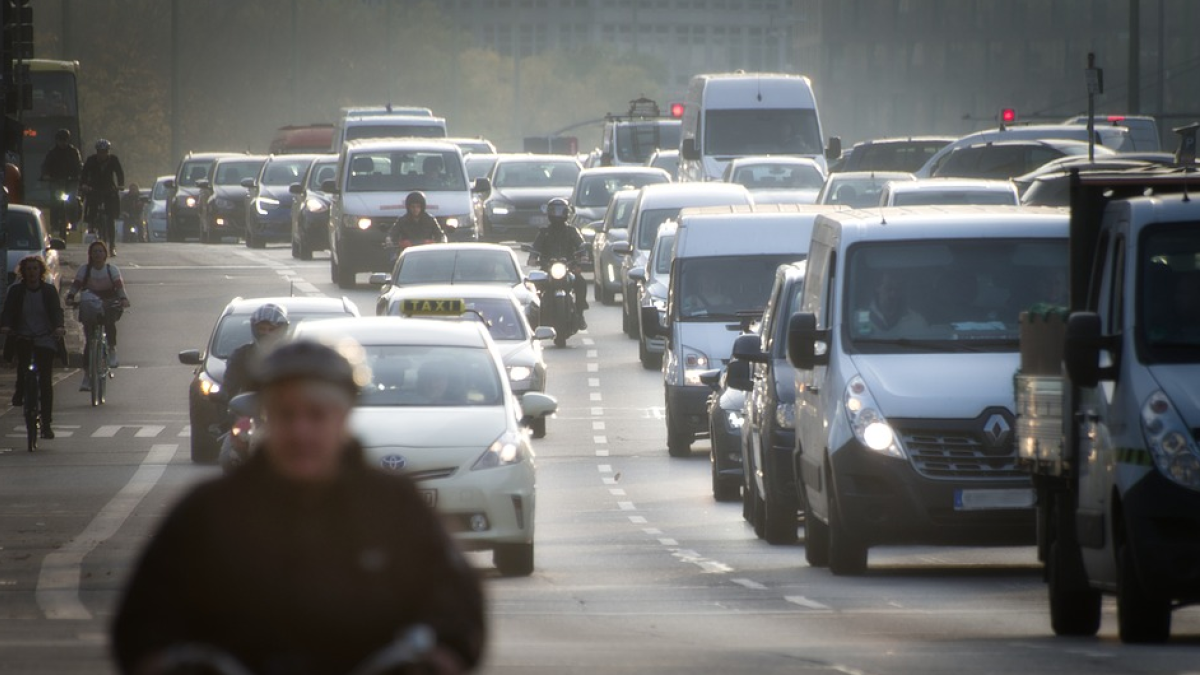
(785, 415)
(364, 223)
(189, 202)
(209, 386)
(734, 419)
(223, 204)
(505, 451)
(519, 373)
(694, 363)
(314, 205)
(351, 221)
(1170, 442)
(452, 222)
(558, 271)
(500, 208)
(869, 425)
(264, 205)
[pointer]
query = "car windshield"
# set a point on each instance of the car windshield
(527, 174)
(649, 223)
(234, 330)
(321, 172)
(717, 288)
(781, 131)
(855, 193)
(636, 141)
(21, 232)
(480, 147)
(284, 171)
(953, 295)
(779, 177)
(160, 191)
(1169, 311)
(394, 131)
(425, 266)
(193, 171)
(619, 212)
(479, 166)
(596, 191)
(668, 162)
(949, 197)
(664, 254)
(431, 376)
(232, 173)
(405, 171)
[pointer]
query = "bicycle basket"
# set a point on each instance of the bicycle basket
(91, 309)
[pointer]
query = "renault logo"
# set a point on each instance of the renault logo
(393, 462)
(996, 430)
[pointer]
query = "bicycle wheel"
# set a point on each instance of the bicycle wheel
(102, 366)
(95, 358)
(33, 410)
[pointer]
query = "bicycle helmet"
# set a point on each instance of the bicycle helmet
(342, 365)
(414, 198)
(63, 135)
(103, 144)
(270, 314)
(558, 210)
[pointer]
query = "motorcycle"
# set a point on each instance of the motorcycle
(555, 283)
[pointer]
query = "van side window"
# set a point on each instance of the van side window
(818, 257)
(1093, 299)
(1116, 298)
(825, 317)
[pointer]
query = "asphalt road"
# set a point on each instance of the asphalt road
(638, 569)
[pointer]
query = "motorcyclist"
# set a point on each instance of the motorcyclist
(101, 181)
(61, 169)
(268, 324)
(416, 226)
(305, 559)
(560, 241)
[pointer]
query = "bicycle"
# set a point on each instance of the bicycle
(104, 227)
(31, 393)
(96, 367)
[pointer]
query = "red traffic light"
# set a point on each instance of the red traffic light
(676, 110)
(1008, 115)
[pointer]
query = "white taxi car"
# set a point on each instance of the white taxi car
(439, 409)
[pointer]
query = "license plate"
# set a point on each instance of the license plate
(430, 497)
(983, 500)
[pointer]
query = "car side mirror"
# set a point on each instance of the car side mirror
(329, 186)
(248, 183)
(190, 357)
(296, 188)
(1081, 353)
(245, 405)
(544, 333)
(482, 186)
(748, 348)
(802, 340)
(688, 149)
(169, 184)
(379, 278)
(622, 248)
(711, 379)
(57, 244)
(834, 149)
(638, 274)
(651, 325)
(536, 405)
(737, 375)
(204, 184)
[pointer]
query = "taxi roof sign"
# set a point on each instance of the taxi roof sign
(432, 307)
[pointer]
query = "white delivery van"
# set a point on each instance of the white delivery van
(1113, 138)
(732, 115)
(721, 278)
(357, 127)
(905, 347)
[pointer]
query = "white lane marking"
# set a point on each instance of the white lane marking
(656, 413)
(593, 367)
(605, 468)
(667, 541)
(593, 353)
(589, 342)
(596, 396)
(187, 431)
(652, 531)
(608, 480)
(602, 453)
(751, 584)
(149, 431)
(143, 430)
(593, 382)
(626, 506)
(600, 440)
(805, 602)
(58, 581)
(638, 520)
(597, 426)
(106, 431)
(616, 492)
(597, 412)
(694, 558)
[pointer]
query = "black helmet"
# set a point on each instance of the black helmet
(342, 365)
(558, 210)
(417, 198)
(63, 135)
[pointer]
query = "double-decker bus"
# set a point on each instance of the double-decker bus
(55, 105)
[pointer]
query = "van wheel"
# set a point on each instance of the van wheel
(513, 560)
(816, 541)
(679, 443)
(1141, 617)
(1074, 608)
(780, 523)
(847, 555)
(627, 322)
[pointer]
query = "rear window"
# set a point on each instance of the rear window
(22, 232)
(908, 156)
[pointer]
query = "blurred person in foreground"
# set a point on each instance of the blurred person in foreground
(305, 559)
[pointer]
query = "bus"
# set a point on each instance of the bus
(55, 106)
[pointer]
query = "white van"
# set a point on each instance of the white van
(721, 278)
(1113, 138)
(732, 115)
(357, 127)
(905, 347)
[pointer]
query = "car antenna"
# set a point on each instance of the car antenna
(758, 83)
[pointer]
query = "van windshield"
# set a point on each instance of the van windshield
(648, 226)
(781, 131)
(956, 296)
(405, 171)
(717, 288)
(1169, 311)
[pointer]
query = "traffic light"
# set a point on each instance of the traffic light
(1008, 115)
(18, 30)
(676, 110)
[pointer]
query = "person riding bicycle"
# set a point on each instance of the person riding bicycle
(268, 324)
(416, 226)
(561, 241)
(32, 310)
(61, 169)
(101, 180)
(131, 213)
(305, 559)
(103, 279)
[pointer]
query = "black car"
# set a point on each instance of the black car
(725, 419)
(206, 402)
(769, 432)
(223, 197)
(521, 185)
(183, 201)
(310, 208)
(269, 208)
(891, 154)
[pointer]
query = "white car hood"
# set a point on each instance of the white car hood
(449, 203)
(940, 386)
(422, 427)
(1181, 383)
(515, 352)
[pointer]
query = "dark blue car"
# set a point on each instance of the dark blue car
(269, 204)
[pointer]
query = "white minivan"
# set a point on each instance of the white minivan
(721, 278)
(731, 115)
(905, 347)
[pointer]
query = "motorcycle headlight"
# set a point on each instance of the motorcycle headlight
(1170, 442)
(209, 386)
(189, 202)
(558, 271)
(519, 373)
(785, 415)
(264, 205)
(505, 451)
(870, 427)
(314, 205)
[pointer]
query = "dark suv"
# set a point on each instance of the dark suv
(183, 194)
(269, 204)
(768, 434)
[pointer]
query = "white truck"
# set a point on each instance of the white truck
(1112, 444)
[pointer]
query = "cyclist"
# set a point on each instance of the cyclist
(268, 323)
(61, 169)
(305, 559)
(32, 309)
(104, 280)
(101, 181)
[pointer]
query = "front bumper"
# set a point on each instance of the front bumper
(688, 407)
(227, 222)
(1162, 525)
(506, 496)
(276, 225)
(884, 500)
(362, 250)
